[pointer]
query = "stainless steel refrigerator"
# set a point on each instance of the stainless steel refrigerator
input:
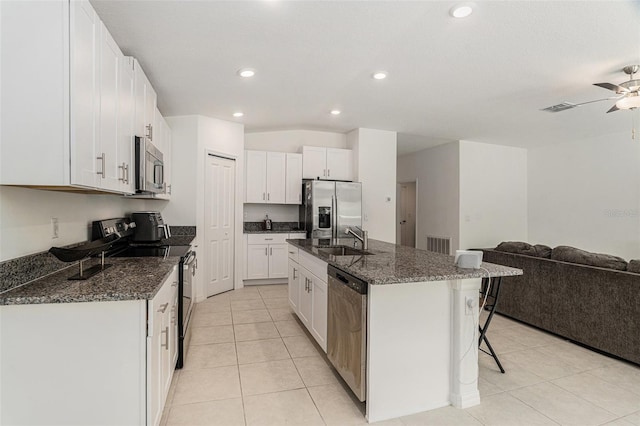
(329, 208)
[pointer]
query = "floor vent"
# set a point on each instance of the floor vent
(439, 244)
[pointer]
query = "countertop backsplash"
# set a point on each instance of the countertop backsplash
(250, 227)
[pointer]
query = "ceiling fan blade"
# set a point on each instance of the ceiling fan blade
(568, 105)
(614, 87)
(614, 108)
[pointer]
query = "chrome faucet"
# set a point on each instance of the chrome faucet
(364, 239)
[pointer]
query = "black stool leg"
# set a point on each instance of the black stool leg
(483, 329)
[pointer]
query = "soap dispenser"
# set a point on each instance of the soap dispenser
(267, 223)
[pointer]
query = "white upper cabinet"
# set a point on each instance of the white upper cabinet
(126, 114)
(146, 101)
(256, 177)
(66, 93)
(339, 164)
(293, 190)
(266, 177)
(327, 163)
(314, 162)
(276, 177)
(86, 158)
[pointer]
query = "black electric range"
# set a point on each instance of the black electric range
(124, 228)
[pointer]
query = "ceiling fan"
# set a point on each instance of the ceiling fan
(628, 94)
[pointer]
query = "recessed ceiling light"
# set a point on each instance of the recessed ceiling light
(335, 112)
(380, 75)
(246, 72)
(238, 114)
(461, 10)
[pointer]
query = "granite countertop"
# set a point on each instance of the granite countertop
(133, 278)
(276, 228)
(393, 264)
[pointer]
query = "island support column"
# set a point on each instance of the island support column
(464, 344)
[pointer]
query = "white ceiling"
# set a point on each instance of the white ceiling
(483, 78)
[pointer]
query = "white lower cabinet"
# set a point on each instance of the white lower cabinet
(308, 293)
(89, 363)
(266, 256)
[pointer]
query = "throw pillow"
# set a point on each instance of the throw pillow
(574, 255)
(542, 251)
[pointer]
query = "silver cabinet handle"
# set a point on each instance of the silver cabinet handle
(268, 196)
(163, 308)
(166, 338)
(294, 273)
(263, 196)
(103, 165)
(124, 173)
(127, 170)
(266, 253)
(150, 132)
(324, 172)
(268, 239)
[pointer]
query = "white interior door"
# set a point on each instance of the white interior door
(219, 224)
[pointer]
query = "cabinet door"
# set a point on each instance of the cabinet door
(109, 76)
(294, 285)
(163, 142)
(305, 304)
(126, 120)
(339, 164)
(257, 261)
(319, 300)
(85, 97)
(172, 323)
(294, 179)
(314, 160)
(278, 260)
(168, 158)
(276, 179)
(154, 360)
(139, 83)
(256, 177)
(150, 102)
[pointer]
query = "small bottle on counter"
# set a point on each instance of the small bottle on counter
(267, 223)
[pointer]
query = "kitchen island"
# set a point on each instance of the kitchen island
(421, 336)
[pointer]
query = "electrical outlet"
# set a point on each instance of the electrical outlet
(54, 228)
(469, 304)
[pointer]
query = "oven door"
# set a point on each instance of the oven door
(187, 273)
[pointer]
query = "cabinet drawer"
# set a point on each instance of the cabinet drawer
(267, 238)
(293, 252)
(298, 236)
(314, 265)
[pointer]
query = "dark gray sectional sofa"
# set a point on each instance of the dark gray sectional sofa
(594, 306)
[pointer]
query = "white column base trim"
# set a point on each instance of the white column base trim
(465, 401)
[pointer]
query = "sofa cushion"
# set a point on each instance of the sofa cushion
(634, 266)
(574, 255)
(519, 247)
(542, 251)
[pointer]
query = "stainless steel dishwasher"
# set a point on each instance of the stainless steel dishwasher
(347, 329)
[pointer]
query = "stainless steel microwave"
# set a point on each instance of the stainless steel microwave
(149, 167)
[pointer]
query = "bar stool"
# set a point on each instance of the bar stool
(489, 291)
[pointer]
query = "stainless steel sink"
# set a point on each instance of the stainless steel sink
(343, 251)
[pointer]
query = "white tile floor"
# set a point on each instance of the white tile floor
(251, 363)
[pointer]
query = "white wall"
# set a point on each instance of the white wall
(493, 194)
(276, 212)
(587, 194)
(25, 217)
(437, 175)
(184, 157)
(199, 136)
(374, 154)
(293, 140)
